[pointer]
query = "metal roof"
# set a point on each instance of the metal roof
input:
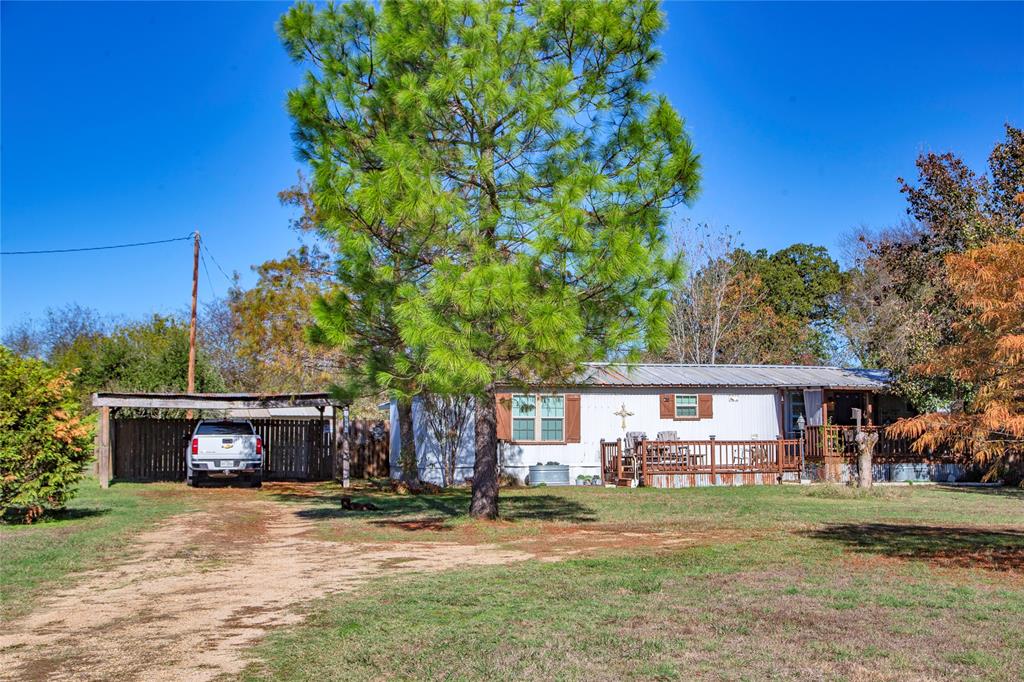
(212, 401)
(774, 376)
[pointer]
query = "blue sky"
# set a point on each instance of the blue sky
(126, 122)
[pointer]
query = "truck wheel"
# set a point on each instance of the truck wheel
(194, 481)
(256, 481)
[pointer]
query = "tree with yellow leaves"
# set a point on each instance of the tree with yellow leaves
(44, 444)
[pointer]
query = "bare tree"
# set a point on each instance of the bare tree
(446, 417)
(61, 328)
(711, 305)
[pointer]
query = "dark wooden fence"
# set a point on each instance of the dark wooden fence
(369, 448)
(149, 449)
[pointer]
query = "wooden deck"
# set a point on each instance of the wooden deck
(689, 463)
(680, 464)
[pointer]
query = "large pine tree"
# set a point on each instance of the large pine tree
(497, 178)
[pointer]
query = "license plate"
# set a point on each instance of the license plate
(225, 465)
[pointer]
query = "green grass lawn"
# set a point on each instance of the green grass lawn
(775, 582)
(97, 525)
(789, 582)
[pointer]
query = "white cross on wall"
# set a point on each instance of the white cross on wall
(623, 412)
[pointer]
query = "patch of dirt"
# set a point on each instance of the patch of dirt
(203, 587)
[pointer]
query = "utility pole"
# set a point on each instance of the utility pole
(192, 323)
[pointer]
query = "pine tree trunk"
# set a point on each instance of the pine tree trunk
(485, 466)
(407, 453)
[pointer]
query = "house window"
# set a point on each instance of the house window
(686, 406)
(538, 418)
(796, 410)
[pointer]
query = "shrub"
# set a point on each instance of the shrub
(43, 442)
(847, 492)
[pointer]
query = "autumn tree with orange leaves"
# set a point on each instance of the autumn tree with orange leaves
(987, 355)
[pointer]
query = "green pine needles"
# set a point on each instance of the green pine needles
(496, 179)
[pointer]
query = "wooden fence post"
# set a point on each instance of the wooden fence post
(103, 448)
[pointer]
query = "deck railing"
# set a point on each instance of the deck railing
(838, 441)
(720, 456)
(652, 457)
(829, 445)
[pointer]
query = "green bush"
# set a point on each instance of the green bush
(43, 442)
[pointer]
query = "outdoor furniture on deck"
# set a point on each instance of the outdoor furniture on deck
(633, 440)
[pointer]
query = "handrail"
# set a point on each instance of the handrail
(720, 456)
(834, 440)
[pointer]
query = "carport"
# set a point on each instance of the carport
(302, 433)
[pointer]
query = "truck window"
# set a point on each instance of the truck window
(224, 429)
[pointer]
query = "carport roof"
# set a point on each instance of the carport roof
(211, 401)
(777, 376)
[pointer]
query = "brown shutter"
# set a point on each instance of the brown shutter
(572, 418)
(667, 406)
(705, 406)
(503, 418)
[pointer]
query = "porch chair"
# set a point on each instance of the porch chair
(632, 440)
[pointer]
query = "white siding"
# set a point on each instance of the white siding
(739, 414)
(427, 457)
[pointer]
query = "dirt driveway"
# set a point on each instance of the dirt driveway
(203, 587)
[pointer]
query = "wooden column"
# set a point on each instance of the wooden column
(714, 477)
(779, 449)
(103, 458)
(643, 463)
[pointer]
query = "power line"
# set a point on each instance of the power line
(209, 280)
(210, 254)
(96, 248)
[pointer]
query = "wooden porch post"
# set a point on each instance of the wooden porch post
(778, 456)
(643, 462)
(714, 478)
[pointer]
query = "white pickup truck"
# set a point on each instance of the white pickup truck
(225, 449)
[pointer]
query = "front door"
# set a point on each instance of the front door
(844, 402)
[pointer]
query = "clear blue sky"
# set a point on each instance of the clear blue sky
(126, 122)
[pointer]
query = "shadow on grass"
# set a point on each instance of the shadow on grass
(395, 510)
(16, 517)
(1008, 491)
(1001, 550)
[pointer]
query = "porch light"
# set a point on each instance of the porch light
(801, 423)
